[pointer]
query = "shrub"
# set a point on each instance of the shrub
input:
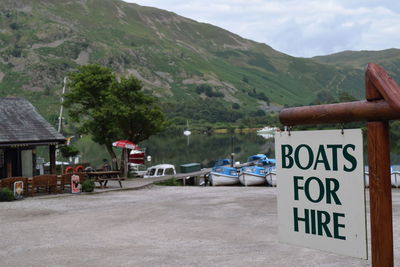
(88, 186)
(6, 194)
(235, 106)
(69, 151)
(170, 182)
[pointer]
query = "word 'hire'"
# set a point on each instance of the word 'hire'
(319, 222)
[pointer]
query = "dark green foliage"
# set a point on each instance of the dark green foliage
(69, 151)
(209, 110)
(88, 186)
(324, 97)
(208, 91)
(235, 106)
(245, 79)
(346, 97)
(14, 26)
(6, 194)
(252, 121)
(109, 109)
(258, 113)
(170, 182)
(260, 95)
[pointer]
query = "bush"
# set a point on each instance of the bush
(170, 182)
(69, 151)
(235, 106)
(6, 194)
(88, 186)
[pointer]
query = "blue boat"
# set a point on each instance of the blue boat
(223, 175)
(267, 162)
(256, 158)
(252, 175)
(222, 162)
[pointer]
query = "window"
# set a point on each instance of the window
(151, 172)
(160, 172)
(169, 171)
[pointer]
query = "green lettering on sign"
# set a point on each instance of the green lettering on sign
(310, 157)
(287, 150)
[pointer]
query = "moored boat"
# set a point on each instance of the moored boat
(222, 162)
(256, 158)
(252, 175)
(223, 175)
(271, 176)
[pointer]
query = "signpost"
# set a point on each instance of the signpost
(18, 189)
(382, 104)
(75, 184)
(321, 199)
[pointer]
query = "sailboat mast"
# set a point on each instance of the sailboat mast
(60, 118)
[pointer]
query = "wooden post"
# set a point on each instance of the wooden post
(52, 154)
(9, 164)
(380, 189)
(383, 104)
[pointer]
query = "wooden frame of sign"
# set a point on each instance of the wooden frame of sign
(381, 105)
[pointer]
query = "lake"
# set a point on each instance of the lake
(178, 150)
(198, 148)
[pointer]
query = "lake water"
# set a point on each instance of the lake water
(199, 148)
(180, 150)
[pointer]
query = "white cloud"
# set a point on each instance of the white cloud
(299, 28)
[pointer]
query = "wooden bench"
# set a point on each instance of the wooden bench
(102, 177)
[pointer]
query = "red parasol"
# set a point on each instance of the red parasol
(125, 144)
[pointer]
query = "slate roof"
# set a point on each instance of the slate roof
(20, 123)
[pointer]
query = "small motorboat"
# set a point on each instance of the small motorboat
(271, 176)
(223, 175)
(256, 158)
(252, 175)
(222, 162)
(160, 170)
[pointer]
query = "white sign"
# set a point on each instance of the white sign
(321, 196)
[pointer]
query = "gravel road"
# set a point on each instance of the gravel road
(158, 226)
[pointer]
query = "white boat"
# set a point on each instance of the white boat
(160, 170)
(394, 179)
(252, 175)
(271, 176)
(223, 175)
(267, 130)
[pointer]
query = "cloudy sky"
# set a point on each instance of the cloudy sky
(302, 28)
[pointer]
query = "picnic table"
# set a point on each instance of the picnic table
(102, 177)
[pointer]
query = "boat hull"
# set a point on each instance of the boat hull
(247, 179)
(222, 179)
(271, 179)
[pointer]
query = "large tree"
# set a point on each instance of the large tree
(111, 109)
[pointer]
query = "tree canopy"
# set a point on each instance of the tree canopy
(111, 109)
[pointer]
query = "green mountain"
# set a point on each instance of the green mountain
(197, 70)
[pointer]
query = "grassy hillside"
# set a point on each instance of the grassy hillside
(184, 63)
(388, 59)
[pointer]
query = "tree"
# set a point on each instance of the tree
(69, 151)
(110, 109)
